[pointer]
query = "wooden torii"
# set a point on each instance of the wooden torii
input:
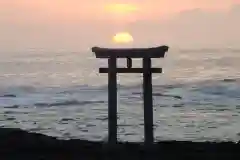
(146, 54)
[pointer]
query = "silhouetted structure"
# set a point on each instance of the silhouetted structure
(146, 54)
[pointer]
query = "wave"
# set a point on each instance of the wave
(168, 85)
(213, 50)
(159, 95)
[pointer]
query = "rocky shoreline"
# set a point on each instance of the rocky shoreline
(19, 144)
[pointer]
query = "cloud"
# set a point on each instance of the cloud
(193, 28)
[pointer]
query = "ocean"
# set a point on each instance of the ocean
(61, 94)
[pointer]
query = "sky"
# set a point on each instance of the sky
(78, 25)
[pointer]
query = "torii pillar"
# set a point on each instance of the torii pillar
(146, 54)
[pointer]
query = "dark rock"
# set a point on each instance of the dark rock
(177, 97)
(103, 118)
(67, 119)
(9, 95)
(10, 118)
(19, 144)
(178, 105)
(229, 80)
(164, 106)
(165, 95)
(14, 106)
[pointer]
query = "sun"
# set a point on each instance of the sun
(122, 37)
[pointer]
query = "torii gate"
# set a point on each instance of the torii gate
(146, 54)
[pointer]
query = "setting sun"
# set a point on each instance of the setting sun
(122, 37)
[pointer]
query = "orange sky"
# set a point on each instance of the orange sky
(65, 23)
(92, 9)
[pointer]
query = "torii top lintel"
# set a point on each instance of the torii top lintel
(155, 52)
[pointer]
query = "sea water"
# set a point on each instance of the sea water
(62, 94)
